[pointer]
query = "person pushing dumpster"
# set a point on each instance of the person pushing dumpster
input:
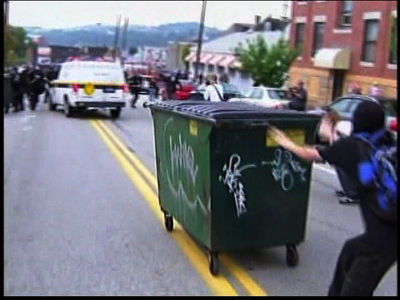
(368, 156)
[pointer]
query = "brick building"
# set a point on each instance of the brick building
(343, 42)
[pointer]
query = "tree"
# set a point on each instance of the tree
(185, 53)
(267, 65)
(15, 45)
(393, 38)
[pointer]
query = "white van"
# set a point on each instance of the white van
(89, 85)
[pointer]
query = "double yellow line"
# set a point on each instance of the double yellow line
(146, 183)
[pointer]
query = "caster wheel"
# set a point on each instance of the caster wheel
(292, 257)
(214, 263)
(168, 222)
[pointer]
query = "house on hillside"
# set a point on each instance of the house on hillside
(217, 56)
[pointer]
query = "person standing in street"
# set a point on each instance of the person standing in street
(364, 259)
(213, 91)
(17, 90)
(135, 84)
(298, 97)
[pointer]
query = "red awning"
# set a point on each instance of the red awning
(228, 60)
(216, 59)
(206, 57)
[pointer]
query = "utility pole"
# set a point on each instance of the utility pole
(116, 36)
(124, 39)
(200, 39)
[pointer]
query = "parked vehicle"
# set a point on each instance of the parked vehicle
(184, 92)
(85, 85)
(230, 92)
(347, 104)
(265, 96)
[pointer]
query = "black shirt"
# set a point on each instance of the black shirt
(346, 153)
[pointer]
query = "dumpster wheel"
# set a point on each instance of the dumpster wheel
(213, 262)
(292, 257)
(168, 222)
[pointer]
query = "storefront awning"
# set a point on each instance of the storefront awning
(205, 58)
(216, 59)
(333, 58)
(227, 61)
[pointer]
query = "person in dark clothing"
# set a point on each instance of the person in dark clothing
(36, 87)
(169, 86)
(135, 83)
(16, 84)
(298, 97)
(365, 259)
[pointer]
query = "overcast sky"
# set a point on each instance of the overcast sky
(64, 14)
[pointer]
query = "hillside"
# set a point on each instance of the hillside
(100, 35)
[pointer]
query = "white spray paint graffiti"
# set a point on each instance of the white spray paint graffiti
(283, 165)
(182, 156)
(231, 177)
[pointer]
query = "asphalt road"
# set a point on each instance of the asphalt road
(76, 223)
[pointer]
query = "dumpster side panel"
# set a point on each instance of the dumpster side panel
(259, 191)
(182, 153)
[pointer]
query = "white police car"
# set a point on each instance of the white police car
(89, 85)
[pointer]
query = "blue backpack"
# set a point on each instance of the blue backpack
(379, 171)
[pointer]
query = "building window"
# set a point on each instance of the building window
(232, 72)
(210, 68)
(221, 70)
(347, 11)
(245, 75)
(370, 40)
(319, 29)
(299, 39)
(393, 40)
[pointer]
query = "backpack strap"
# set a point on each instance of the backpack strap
(219, 95)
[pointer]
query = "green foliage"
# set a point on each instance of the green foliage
(393, 38)
(14, 45)
(267, 65)
(185, 52)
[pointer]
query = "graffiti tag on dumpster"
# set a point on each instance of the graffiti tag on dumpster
(182, 157)
(231, 179)
(284, 165)
(182, 175)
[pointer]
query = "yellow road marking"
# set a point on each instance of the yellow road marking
(248, 283)
(219, 284)
(144, 170)
(242, 276)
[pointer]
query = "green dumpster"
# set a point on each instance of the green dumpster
(228, 184)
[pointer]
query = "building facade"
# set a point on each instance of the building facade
(343, 42)
(218, 56)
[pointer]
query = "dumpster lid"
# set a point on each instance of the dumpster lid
(229, 110)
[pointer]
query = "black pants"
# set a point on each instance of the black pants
(348, 185)
(361, 265)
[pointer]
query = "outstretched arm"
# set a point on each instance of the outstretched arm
(305, 152)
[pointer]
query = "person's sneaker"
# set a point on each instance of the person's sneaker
(348, 200)
(340, 193)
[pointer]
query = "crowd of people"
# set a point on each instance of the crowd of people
(27, 82)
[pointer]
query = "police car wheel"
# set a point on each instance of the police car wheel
(52, 106)
(67, 110)
(115, 113)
